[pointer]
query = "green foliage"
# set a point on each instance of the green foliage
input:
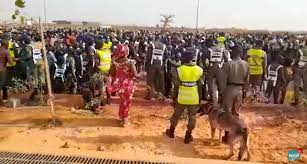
(20, 3)
(22, 86)
(17, 12)
(18, 86)
(14, 17)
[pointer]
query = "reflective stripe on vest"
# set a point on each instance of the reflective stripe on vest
(188, 89)
(255, 60)
(189, 84)
(157, 54)
(93, 49)
(37, 55)
(60, 72)
(105, 60)
(273, 74)
(83, 65)
(303, 57)
(216, 56)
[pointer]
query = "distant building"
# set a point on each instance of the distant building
(61, 22)
(105, 26)
(91, 23)
(79, 23)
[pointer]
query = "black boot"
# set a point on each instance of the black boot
(34, 93)
(108, 101)
(4, 95)
(295, 103)
(225, 137)
(188, 138)
(170, 132)
(103, 102)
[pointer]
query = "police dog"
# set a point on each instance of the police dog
(225, 121)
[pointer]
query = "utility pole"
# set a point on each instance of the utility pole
(45, 15)
(50, 96)
(197, 15)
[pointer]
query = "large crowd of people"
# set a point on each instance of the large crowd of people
(220, 68)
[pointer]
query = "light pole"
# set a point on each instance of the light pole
(45, 15)
(197, 15)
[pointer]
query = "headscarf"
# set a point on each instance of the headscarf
(120, 51)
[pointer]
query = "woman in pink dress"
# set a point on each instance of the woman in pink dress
(122, 72)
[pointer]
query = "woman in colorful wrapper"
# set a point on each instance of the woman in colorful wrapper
(122, 72)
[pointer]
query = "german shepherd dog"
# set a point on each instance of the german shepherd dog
(225, 121)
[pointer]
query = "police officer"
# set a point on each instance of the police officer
(203, 62)
(300, 70)
(81, 63)
(142, 51)
(172, 64)
(156, 60)
(235, 78)
(257, 60)
(39, 74)
(285, 78)
(216, 56)
(11, 68)
(274, 70)
(71, 79)
(104, 56)
(26, 62)
(5, 58)
(187, 93)
(221, 40)
(60, 68)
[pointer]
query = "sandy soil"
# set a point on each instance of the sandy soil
(273, 131)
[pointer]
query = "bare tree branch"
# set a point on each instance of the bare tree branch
(166, 20)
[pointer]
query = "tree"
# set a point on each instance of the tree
(13, 16)
(166, 20)
(17, 12)
(20, 3)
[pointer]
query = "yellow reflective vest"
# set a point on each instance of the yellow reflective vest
(221, 41)
(104, 56)
(12, 55)
(255, 58)
(107, 47)
(188, 89)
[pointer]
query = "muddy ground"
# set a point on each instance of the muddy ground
(273, 131)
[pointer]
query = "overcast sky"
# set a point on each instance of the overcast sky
(251, 14)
